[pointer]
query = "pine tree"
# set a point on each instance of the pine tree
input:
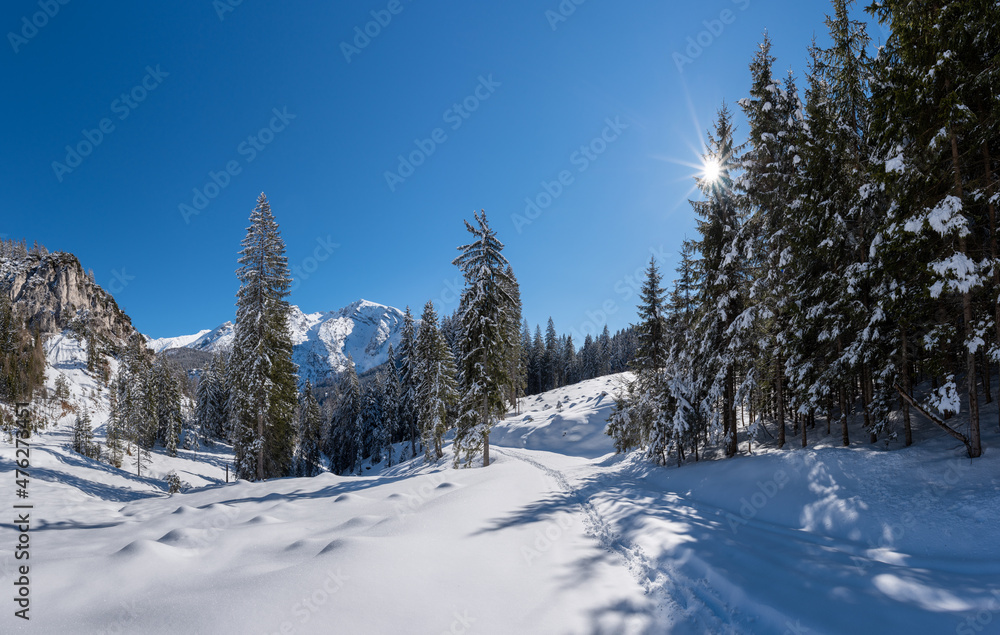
(344, 437)
(310, 433)
(516, 355)
(722, 286)
(551, 366)
(770, 165)
(371, 423)
(436, 390)
(83, 435)
(167, 405)
(392, 406)
(486, 309)
(407, 382)
(263, 380)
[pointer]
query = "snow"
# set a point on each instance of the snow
(161, 344)
(558, 535)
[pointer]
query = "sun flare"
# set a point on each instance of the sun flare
(711, 170)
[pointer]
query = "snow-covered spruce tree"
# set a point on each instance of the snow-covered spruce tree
(683, 377)
(550, 362)
(527, 360)
(943, 172)
(407, 383)
(536, 371)
(134, 428)
(821, 318)
(115, 433)
(436, 384)
(486, 309)
(344, 437)
(770, 164)
(262, 375)
(166, 392)
(83, 435)
(647, 423)
(391, 405)
(721, 293)
(517, 360)
(309, 433)
(371, 423)
(219, 421)
(847, 72)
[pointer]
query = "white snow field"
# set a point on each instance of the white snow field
(559, 535)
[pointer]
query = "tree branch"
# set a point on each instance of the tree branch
(955, 433)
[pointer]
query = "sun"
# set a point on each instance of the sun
(711, 170)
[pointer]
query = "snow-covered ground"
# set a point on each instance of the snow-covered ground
(559, 535)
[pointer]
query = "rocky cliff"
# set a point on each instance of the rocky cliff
(53, 292)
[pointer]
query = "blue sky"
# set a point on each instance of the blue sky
(592, 94)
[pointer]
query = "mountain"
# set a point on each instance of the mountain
(166, 343)
(323, 341)
(52, 293)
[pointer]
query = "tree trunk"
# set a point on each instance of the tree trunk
(905, 376)
(987, 380)
(779, 402)
(730, 381)
(260, 451)
(988, 162)
(843, 403)
(829, 412)
(975, 445)
(804, 434)
(486, 433)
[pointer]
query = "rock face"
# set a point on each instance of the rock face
(54, 293)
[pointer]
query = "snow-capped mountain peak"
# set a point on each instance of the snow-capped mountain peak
(323, 341)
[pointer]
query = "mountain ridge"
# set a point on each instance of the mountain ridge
(323, 342)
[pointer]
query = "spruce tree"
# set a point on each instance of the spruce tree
(486, 310)
(263, 381)
(721, 266)
(310, 433)
(407, 382)
(436, 384)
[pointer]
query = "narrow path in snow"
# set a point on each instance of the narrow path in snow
(675, 596)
